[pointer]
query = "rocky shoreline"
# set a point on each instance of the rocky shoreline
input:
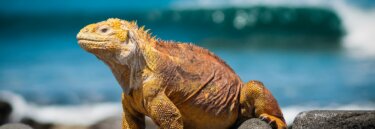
(330, 119)
(334, 119)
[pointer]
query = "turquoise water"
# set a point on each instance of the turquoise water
(298, 53)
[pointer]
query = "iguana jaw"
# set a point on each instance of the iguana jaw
(88, 42)
(91, 44)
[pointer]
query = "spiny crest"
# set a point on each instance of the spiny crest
(191, 46)
(140, 32)
(144, 33)
(123, 24)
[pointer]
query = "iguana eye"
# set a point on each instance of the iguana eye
(103, 30)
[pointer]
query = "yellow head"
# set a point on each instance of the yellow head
(110, 37)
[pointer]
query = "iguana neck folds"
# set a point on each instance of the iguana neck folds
(142, 57)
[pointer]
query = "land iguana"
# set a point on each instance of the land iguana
(177, 85)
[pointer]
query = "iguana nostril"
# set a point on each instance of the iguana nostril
(85, 30)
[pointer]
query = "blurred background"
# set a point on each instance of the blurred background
(313, 54)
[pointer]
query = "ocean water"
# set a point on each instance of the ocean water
(311, 56)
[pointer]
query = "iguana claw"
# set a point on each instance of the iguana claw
(275, 122)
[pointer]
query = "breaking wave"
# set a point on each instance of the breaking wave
(357, 18)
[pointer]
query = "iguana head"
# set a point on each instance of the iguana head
(118, 42)
(113, 38)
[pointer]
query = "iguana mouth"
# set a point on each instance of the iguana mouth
(91, 40)
(89, 44)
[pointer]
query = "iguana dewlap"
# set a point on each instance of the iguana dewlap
(178, 85)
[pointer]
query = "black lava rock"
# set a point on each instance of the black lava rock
(36, 124)
(326, 119)
(254, 123)
(5, 111)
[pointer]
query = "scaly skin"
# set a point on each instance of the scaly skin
(178, 85)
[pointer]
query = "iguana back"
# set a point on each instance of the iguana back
(197, 76)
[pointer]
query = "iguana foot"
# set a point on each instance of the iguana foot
(275, 122)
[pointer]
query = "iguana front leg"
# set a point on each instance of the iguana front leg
(130, 118)
(164, 113)
(131, 122)
(256, 100)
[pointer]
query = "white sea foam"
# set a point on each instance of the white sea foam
(360, 28)
(86, 114)
(90, 114)
(19, 106)
(75, 115)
